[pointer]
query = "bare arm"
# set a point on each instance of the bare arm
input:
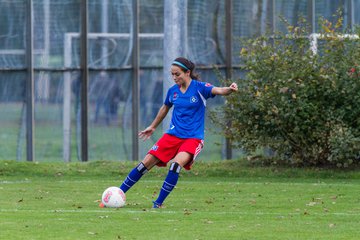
(147, 132)
(224, 91)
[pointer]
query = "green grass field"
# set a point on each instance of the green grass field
(218, 200)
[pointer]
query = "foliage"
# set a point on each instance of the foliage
(302, 105)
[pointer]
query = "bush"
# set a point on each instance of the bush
(304, 106)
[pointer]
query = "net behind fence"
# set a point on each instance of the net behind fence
(56, 54)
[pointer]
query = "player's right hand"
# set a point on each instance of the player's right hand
(146, 133)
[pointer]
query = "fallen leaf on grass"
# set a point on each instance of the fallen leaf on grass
(187, 212)
(154, 194)
(253, 201)
(77, 206)
(311, 204)
(209, 201)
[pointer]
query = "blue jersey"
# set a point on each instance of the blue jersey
(188, 116)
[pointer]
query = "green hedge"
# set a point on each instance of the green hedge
(302, 105)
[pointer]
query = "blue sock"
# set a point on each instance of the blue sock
(133, 177)
(169, 183)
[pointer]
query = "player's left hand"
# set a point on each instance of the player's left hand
(234, 87)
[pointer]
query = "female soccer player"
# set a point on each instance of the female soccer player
(183, 140)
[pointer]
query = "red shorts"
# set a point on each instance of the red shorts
(168, 146)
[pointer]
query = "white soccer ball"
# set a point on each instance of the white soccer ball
(113, 197)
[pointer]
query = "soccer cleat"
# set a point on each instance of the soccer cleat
(101, 205)
(157, 205)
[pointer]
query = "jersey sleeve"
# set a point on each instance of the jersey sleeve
(205, 90)
(168, 101)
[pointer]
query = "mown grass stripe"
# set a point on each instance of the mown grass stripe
(117, 211)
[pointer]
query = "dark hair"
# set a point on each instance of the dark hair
(186, 65)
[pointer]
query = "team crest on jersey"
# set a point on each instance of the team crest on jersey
(208, 85)
(155, 147)
(193, 99)
(175, 96)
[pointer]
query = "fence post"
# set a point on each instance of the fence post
(311, 15)
(135, 85)
(228, 62)
(84, 80)
(175, 42)
(30, 129)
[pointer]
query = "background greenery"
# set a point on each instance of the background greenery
(300, 104)
(55, 20)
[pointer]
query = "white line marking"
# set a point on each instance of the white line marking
(14, 182)
(113, 210)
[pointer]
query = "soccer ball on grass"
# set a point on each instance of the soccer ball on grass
(113, 197)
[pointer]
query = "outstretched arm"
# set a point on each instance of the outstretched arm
(147, 132)
(224, 91)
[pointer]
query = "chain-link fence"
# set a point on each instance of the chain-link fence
(56, 63)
